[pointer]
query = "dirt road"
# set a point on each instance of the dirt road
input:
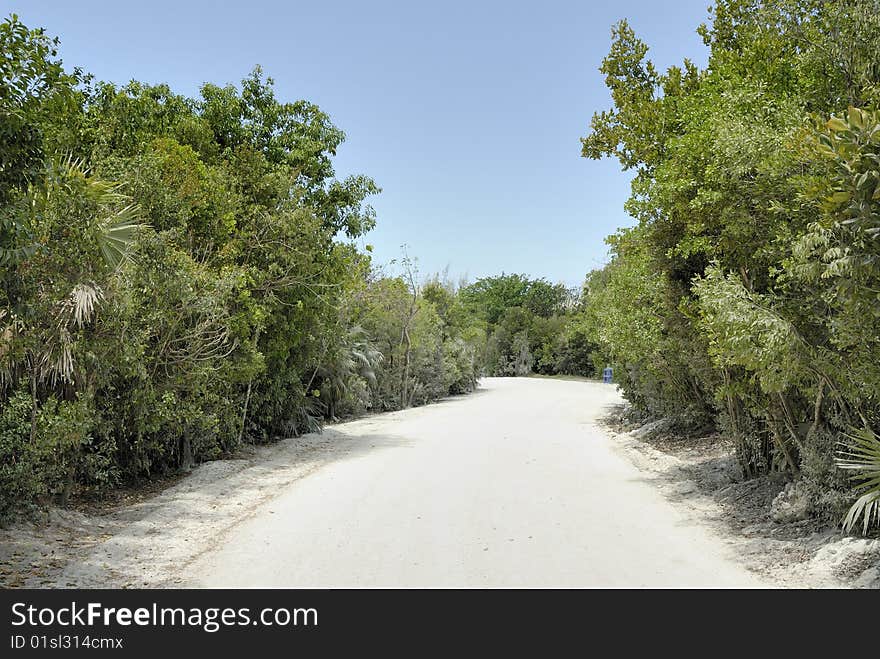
(512, 486)
(515, 485)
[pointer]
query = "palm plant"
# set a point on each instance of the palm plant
(108, 231)
(111, 228)
(114, 225)
(356, 360)
(862, 455)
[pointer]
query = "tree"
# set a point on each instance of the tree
(742, 297)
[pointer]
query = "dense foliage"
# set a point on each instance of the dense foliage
(747, 296)
(180, 275)
(531, 326)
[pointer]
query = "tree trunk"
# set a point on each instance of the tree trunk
(779, 440)
(247, 396)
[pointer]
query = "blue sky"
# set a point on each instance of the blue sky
(467, 114)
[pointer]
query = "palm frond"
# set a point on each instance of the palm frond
(10, 328)
(118, 220)
(861, 454)
(56, 359)
(867, 507)
(80, 305)
(116, 234)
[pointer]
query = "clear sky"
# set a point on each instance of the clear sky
(467, 114)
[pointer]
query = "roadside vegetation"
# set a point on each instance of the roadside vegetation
(746, 298)
(532, 326)
(179, 276)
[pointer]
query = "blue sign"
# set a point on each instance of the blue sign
(607, 375)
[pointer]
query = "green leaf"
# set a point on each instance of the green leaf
(856, 118)
(116, 235)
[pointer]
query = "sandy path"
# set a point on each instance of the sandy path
(512, 486)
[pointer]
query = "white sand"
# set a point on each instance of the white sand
(515, 485)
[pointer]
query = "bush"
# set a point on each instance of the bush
(22, 479)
